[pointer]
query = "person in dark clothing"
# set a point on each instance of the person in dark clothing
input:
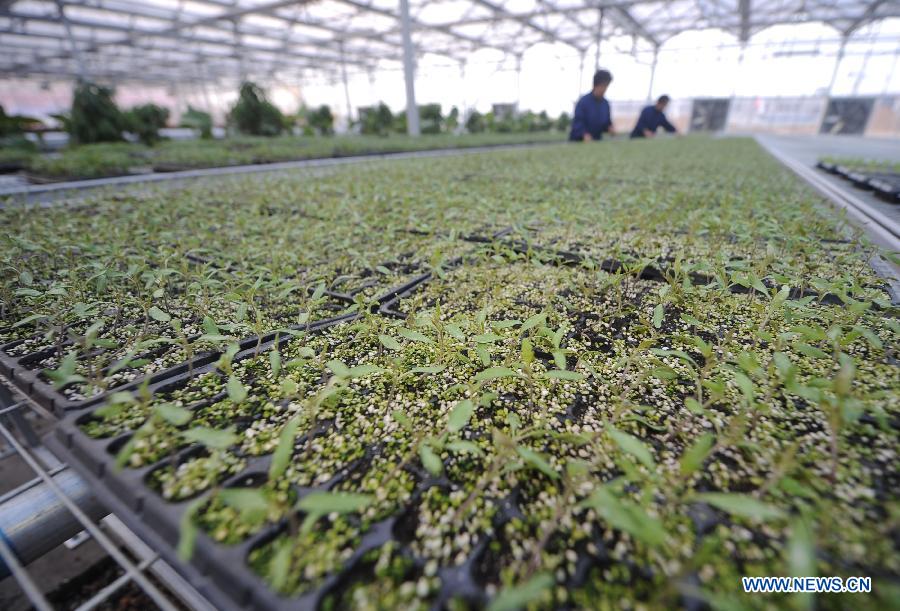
(651, 119)
(592, 117)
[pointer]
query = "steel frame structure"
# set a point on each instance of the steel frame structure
(135, 561)
(216, 41)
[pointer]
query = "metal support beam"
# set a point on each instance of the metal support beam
(862, 71)
(744, 9)
(184, 27)
(734, 81)
(580, 75)
(76, 52)
(599, 39)
(518, 82)
(409, 70)
(635, 26)
(34, 521)
(346, 88)
(652, 74)
(837, 62)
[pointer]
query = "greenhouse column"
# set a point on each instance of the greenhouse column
(837, 62)
(518, 81)
(409, 71)
(76, 52)
(834, 74)
(346, 86)
(580, 75)
(652, 73)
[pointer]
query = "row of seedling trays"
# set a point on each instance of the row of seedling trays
(886, 185)
(221, 572)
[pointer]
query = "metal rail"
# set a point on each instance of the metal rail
(876, 223)
(61, 505)
(883, 230)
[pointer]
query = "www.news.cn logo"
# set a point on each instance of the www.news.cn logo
(825, 585)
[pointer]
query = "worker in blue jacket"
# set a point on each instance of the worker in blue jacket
(652, 118)
(592, 117)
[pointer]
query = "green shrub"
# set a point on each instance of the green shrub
(15, 125)
(563, 122)
(321, 120)
(254, 115)
(145, 121)
(377, 120)
(400, 122)
(15, 148)
(198, 120)
(17, 156)
(505, 124)
(451, 123)
(430, 118)
(95, 116)
(90, 161)
(475, 123)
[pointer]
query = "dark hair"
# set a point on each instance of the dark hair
(663, 99)
(602, 77)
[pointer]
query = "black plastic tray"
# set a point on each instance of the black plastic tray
(656, 274)
(886, 185)
(218, 572)
(221, 572)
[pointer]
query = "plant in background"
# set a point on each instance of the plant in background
(451, 122)
(430, 118)
(145, 121)
(14, 146)
(475, 123)
(253, 114)
(563, 122)
(199, 121)
(95, 116)
(321, 120)
(529, 121)
(16, 125)
(400, 122)
(376, 120)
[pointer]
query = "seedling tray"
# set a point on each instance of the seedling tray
(222, 572)
(886, 185)
(650, 272)
(219, 572)
(24, 371)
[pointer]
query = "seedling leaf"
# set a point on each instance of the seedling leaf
(493, 373)
(517, 597)
(562, 374)
(430, 460)
(695, 455)
(460, 415)
(627, 517)
(158, 315)
(173, 414)
(389, 342)
(236, 391)
(214, 439)
(318, 504)
(414, 336)
(537, 461)
(741, 505)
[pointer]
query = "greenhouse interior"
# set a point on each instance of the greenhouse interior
(449, 305)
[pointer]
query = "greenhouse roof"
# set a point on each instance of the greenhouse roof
(208, 40)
